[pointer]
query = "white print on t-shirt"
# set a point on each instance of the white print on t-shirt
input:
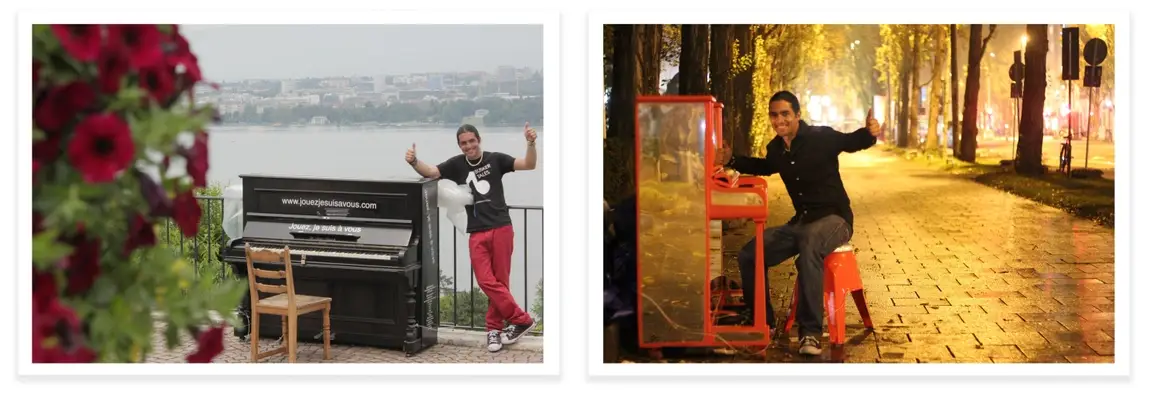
(482, 186)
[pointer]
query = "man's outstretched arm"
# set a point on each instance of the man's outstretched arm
(855, 141)
(747, 165)
(425, 170)
(861, 139)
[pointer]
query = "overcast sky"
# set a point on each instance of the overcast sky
(233, 52)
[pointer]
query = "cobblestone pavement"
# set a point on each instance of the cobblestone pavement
(956, 272)
(236, 351)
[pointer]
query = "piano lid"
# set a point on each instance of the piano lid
(325, 232)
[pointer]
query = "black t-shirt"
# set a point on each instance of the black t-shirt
(489, 207)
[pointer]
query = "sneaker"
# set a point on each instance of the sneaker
(809, 345)
(514, 332)
(494, 341)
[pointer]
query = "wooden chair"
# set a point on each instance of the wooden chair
(284, 303)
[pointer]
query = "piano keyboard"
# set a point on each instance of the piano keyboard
(329, 253)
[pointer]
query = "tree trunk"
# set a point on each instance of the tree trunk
(968, 151)
(904, 93)
(650, 57)
(721, 60)
(694, 60)
(618, 149)
(890, 102)
(742, 107)
(955, 121)
(937, 91)
(915, 88)
(624, 82)
(1032, 102)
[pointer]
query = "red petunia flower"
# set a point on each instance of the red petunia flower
(83, 265)
(81, 41)
(186, 212)
(35, 170)
(61, 104)
(35, 75)
(47, 150)
(101, 148)
(43, 288)
(37, 223)
(209, 344)
(159, 82)
(140, 233)
(159, 204)
(113, 65)
(56, 330)
(197, 164)
(143, 43)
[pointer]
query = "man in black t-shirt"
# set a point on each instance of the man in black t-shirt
(489, 223)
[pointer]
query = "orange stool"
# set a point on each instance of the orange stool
(841, 278)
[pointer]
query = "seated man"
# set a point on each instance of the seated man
(807, 159)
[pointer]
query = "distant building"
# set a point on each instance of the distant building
(286, 86)
(505, 74)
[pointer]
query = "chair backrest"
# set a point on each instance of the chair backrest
(274, 256)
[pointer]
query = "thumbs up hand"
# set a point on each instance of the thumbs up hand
(872, 124)
(411, 154)
(529, 133)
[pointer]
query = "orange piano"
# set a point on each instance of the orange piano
(681, 199)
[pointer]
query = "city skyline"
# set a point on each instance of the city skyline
(244, 52)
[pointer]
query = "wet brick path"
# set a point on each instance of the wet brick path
(957, 272)
(236, 351)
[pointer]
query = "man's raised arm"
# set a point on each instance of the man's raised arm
(423, 169)
(528, 161)
(861, 139)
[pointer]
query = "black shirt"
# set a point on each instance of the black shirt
(809, 169)
(485, 177)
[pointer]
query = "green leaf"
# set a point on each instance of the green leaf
(47, 250)
(128, 98)
(172, 335)
(103, 291)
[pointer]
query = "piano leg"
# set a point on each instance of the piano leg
(411, 344)
(244, 309)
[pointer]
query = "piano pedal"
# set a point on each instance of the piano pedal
(319, 336)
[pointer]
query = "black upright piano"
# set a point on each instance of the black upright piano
(370, 245)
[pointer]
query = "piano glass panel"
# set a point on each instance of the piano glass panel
(672, 223)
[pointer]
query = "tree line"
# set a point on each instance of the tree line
(499, 111)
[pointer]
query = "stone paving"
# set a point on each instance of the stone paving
(955, 271)
(236, 351)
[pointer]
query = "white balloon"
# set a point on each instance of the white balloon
(233, 211)
(454, 198)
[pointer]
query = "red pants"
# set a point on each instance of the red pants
(491, 259)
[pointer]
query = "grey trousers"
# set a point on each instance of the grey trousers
(811, 242)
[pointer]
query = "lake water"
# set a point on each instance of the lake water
(374, 153)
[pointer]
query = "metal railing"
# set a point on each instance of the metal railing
(459, 308)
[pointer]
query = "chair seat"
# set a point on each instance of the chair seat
(303, 303)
